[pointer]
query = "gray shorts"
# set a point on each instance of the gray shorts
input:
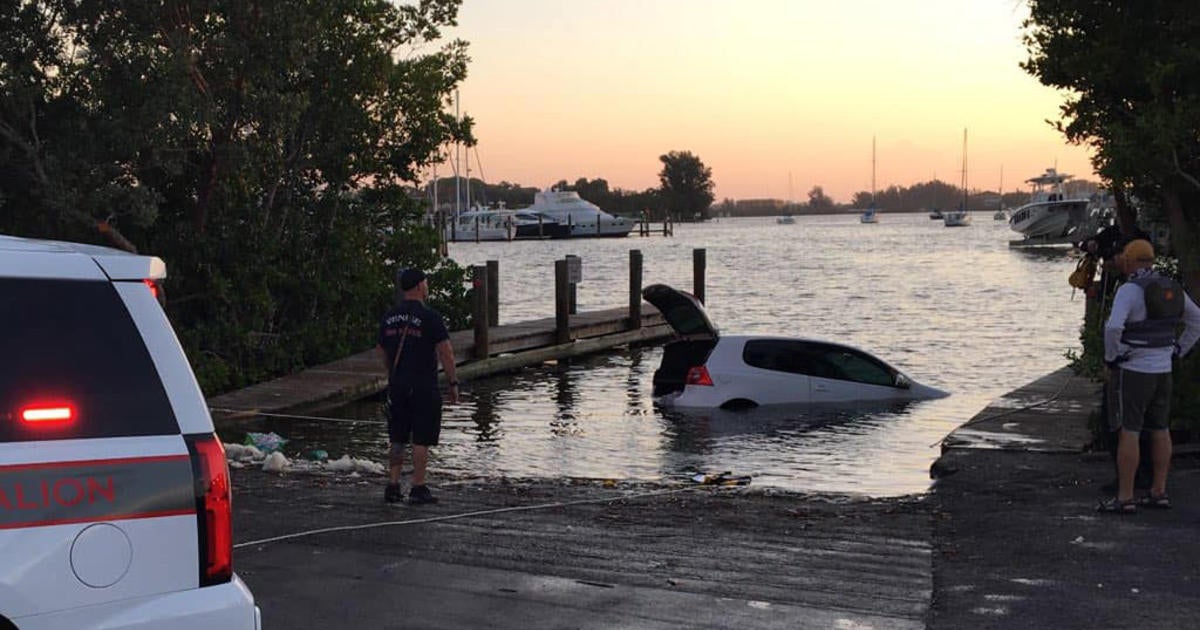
(1137, 401)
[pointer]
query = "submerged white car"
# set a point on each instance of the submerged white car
(705, 370)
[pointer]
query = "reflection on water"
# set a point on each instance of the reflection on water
(955, 309)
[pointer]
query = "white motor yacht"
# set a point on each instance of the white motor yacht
(1049, 213)
(584, 217)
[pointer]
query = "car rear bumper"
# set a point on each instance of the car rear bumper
(227, 606)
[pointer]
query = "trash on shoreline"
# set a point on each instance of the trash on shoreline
(314, 460)
(351, 464)
(721, 479)
(242, 453)
(265, 442)
(276, 462)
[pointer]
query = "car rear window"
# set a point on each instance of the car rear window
(72, 343)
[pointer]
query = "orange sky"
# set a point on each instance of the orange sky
(758, 89)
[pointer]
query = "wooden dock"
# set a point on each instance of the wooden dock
(511, 347)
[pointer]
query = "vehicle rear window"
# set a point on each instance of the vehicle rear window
(68, 342)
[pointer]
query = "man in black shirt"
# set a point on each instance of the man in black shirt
(412, 340)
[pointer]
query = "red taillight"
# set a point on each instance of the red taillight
(47, 415)
(156, 290)
(699, 376)
(214, 511)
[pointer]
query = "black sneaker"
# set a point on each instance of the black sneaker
(420, 495)
(393, 494)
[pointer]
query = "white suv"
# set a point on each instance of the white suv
(114, 491)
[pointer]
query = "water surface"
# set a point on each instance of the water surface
(952, 307)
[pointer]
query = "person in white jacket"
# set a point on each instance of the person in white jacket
(1140, 344)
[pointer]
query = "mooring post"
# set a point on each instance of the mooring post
(477, 229)
(635, 289)
(574, 267)
(562, 314)
(493, 278)
(699, 262)
(479, 280)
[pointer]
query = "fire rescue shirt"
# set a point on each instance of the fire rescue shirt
(1129, 305)
(422, 329)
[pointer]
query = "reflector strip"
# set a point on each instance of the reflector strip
(35, 495)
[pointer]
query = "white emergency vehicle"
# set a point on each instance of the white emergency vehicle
(114, 491)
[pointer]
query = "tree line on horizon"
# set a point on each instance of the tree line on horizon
(923, 196)
(685, 192)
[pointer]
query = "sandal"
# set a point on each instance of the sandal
(1117, 506)
(1160, 502)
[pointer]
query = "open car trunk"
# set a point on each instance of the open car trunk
(697, 336)
(678, 358)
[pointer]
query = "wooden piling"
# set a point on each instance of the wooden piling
(479, 277)
(476, 229)
(699, 263)
(562, 315)
(493, 292)
(635, 289)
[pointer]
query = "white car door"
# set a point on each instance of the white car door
(847, 375)
(769, 374)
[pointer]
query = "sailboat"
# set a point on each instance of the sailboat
(959, 217)
(870, 215)
(1000, 214)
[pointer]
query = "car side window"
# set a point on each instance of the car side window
(859, 368)
(793, 357)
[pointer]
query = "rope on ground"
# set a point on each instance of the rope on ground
(249, 413)
(451, 517)
(1008, 412)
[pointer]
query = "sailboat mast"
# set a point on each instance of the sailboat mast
(964, 170)
(872, 171)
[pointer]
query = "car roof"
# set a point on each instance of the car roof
(27, 257)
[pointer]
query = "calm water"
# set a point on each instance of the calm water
(953, 308)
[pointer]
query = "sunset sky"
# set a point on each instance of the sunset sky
(758, 89)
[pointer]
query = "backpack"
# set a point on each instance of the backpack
(1085, 270)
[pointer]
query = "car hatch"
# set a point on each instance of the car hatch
(683, 312)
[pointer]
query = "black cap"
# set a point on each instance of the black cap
(410, 278)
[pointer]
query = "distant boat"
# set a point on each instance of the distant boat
(935, 214)
(585, 218)
(960, 217)
(786, 219)
(480, 224)
(1000, 214)
(1049, 213)
(871, 215)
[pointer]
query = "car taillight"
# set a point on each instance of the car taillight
(156, 290)
(54, 414)
(699, 376)
(214, 511)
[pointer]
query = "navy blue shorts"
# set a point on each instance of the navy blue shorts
(415, 416)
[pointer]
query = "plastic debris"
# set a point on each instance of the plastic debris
(242, 453)
(350, 464)
(276, 462)
(721, 479)
(317, 455)
(265, 442)
(1078, 540)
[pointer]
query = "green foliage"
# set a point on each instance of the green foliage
(686, 186)
(260, 150)
(1131, 72)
